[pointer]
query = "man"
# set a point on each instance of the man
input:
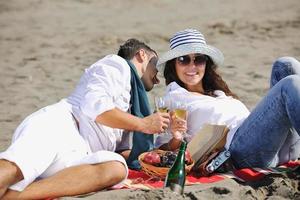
(69, 147)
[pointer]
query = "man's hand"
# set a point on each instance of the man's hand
(155, 123)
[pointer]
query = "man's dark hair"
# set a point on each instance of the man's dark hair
(131, 47)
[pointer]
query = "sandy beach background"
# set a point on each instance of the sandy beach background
(45, 46)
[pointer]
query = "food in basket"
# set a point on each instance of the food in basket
(152, 158)
(159, 169)
(188, 157)
(164, 159)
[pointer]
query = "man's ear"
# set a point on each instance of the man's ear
(141, 55)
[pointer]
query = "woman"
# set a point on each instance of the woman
(266, 137)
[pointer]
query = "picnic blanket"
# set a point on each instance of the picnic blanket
(140, 180)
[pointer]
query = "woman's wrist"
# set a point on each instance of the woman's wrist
(178, 137)
(174, 144)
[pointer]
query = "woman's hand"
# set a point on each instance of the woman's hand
(178, 126)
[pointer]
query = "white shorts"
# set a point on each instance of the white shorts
(48, 141)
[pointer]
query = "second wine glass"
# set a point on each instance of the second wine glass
(180, 110)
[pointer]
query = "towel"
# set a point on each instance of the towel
(140, 107)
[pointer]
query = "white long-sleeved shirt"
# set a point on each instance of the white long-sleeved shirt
(220, 110)
(105, 85)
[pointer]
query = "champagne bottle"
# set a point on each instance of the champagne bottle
(175, 178)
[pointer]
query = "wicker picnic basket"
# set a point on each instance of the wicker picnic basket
(159, 172)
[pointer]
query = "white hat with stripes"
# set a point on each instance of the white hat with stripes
(189, 41)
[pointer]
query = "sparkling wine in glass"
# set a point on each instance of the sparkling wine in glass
(162, 105)
(181, 113)
(180, 110)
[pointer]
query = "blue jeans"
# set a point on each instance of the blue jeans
(270, 134)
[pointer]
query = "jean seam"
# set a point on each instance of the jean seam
(257, 153)
(261, 115)
(253, 123)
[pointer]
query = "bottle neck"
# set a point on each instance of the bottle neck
(181, 153)
(182, 146)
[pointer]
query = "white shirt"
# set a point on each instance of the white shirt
(104, 86)
(220, 110)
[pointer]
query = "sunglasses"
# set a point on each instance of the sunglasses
(198, 60)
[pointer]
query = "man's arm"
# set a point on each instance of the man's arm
(115, 118)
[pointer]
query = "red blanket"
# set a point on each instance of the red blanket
(139, 179)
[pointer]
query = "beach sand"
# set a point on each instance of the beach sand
(46, 45)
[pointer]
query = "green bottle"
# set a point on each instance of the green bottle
(175, 178)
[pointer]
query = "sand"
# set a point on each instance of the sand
(45, 46)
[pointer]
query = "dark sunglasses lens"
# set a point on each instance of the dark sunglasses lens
(200, 60)
(184, 60)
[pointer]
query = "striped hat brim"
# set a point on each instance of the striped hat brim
(189, 41)
(191, 48)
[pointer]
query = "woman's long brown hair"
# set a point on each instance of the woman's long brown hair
(211, 81)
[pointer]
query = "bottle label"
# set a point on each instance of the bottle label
(176, 188)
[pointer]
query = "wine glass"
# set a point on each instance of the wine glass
(180, 110)
(162, 105)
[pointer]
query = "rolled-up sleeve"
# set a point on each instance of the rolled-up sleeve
(104, 83)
